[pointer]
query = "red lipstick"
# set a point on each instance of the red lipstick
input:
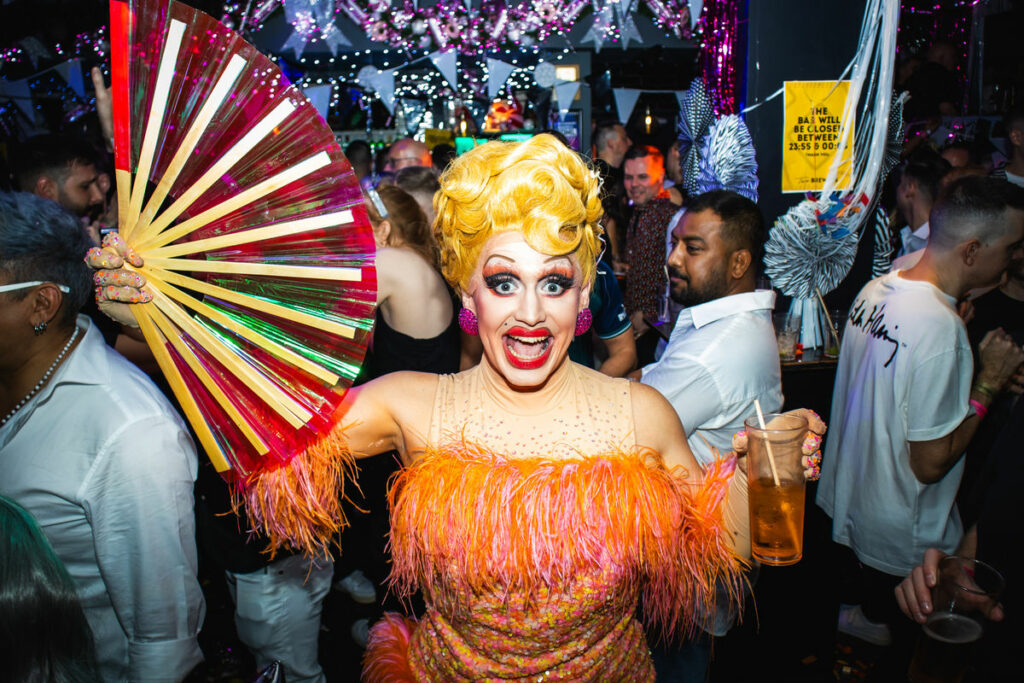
(524, 353)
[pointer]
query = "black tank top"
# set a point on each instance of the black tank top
(394, 351)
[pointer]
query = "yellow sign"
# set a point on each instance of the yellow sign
(810, 137)
(435, 136)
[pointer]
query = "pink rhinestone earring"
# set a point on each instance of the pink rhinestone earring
(583, 321)
(468, 323)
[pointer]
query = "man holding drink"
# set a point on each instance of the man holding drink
(904, 407)
(721, 357)
(996, 540)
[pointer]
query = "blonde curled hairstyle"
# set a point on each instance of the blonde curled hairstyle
(538, 187)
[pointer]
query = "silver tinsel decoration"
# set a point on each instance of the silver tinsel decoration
(801, 255)
(894, 137)
(726, 159)
(881, 258)
(695, 116)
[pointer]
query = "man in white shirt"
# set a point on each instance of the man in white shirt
(722, 354)
(903, 407)
(721, 357)
(92, 449)
(915, 195)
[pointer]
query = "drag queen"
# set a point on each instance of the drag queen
(540, 500)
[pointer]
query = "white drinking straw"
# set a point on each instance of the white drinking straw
(767, 443)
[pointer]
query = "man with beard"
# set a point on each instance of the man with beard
(62, 169)
(721, 357)
(722, 354)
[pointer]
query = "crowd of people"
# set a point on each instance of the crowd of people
(563, 355)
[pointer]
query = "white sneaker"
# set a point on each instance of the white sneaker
(361, 632)
(359, 587)
(853, 622)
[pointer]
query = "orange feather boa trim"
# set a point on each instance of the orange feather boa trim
(299, 503)
(464, 521)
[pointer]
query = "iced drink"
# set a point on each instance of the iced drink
(776, 521)
(775, 476)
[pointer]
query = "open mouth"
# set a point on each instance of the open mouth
(527, 349)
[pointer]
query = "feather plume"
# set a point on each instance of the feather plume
(465, 521)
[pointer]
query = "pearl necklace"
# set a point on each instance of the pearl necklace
(41, 383)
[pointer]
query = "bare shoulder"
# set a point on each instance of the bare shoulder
(658, 427)
(649, 406)
(399, 261)
(403, 387)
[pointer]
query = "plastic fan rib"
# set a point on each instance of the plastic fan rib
(250, 221)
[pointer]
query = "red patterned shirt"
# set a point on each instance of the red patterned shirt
(645, 256)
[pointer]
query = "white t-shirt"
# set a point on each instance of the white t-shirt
(904, 375)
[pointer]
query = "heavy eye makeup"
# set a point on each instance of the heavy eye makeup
(503, 281)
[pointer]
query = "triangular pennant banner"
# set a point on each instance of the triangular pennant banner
(497, 73)
(320, 97)
(448, 65)
(625, 100)
(566, 93)
(21, 94)
(696, 7)
(71, 72)
(385, 83)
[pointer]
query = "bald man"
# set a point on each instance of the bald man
(405, 153)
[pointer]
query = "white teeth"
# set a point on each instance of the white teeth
(537, 346)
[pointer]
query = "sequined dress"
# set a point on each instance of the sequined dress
(534, 536)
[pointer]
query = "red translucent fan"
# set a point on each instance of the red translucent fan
(257, 248)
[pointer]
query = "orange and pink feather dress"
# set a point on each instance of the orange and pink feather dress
(533, 545)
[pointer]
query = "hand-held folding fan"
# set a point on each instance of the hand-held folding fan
(257, 248)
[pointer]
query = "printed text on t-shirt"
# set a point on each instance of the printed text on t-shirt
(874, 325)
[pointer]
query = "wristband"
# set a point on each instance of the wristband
(979, 408)
(986, 389)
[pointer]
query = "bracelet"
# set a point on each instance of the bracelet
(979, 408)
(986, 389)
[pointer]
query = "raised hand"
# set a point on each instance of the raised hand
(117, 286)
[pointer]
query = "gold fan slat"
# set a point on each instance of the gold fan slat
(195, 132)
(157, 343)
(247, 196)
(123, 185)
(193, 362)
(154, 122)
(270, 232)
(280, 402)
(257, 304)
(268, 345)
(259, 269)
(240, 149)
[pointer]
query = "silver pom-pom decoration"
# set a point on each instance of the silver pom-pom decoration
(726, 159)
(800, 254)
(894, 137)
(696, 113)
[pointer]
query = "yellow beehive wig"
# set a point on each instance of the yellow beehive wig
(538, 187)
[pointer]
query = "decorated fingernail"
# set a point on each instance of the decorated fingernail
(812, 441)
